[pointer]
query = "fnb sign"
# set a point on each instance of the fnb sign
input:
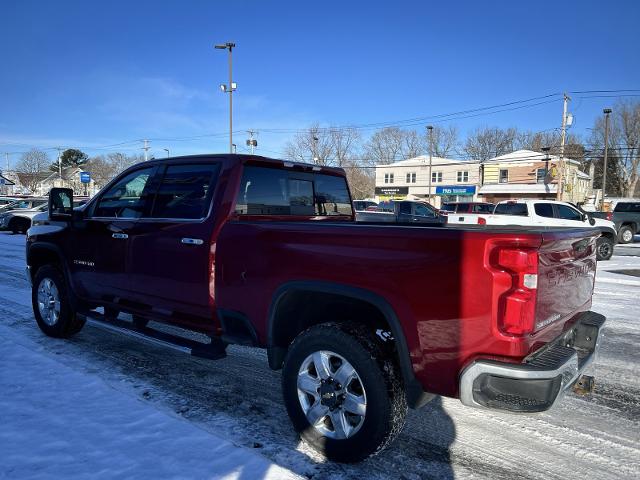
(456, 190)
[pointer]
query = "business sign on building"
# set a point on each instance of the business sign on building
(456, 190)
(392, 191)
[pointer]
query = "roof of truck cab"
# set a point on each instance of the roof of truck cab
(244, 158)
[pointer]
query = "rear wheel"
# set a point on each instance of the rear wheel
(625, 235)
(343, 394)
(51, 307)
(604, 248)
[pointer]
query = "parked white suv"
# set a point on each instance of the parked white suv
(545, 213)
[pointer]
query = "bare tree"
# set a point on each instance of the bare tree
(489, 142)
(314, 145)
(574, 148)
(361, 180)
(445, 140)
(32, 168)
(392, 144)
(101, 169)
(624, 143)
(346, 143)
(120, 161)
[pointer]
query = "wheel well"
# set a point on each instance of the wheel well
(633, 225)
(608, 235)
(39, 257)
(298, 310)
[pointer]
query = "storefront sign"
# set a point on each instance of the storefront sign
(456, 190)
(392, 190)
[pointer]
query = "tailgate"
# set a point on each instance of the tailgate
(566, 275)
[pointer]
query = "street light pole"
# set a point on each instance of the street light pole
(430, 130)
(166, 150)
(607, 112)
(229, 89)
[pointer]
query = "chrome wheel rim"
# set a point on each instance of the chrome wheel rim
(627, 236)
(48, 301)
(331, 395)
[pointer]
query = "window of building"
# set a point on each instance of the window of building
(411, 177)
(388, 178)
(436, 177)
(127, 198)
(541, 175)
(185, 191)
(463, 176)
(504, 176)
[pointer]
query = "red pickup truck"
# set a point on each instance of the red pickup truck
(364, 319)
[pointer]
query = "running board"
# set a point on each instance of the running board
(212, 351)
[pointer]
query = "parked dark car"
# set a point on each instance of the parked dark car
(405, 211)
(626, 217)
(363, 319)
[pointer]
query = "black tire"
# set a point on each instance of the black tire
(604, 248)
(139, 322)
(19, 225)
(386, 405)
(68, 323)
(625, 234)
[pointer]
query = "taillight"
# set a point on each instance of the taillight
(610, 216)
(482, 221)
(517, 306)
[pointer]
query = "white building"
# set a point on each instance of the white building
(451, 180)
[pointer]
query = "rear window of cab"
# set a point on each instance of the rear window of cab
(275, 191)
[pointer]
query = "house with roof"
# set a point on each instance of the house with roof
(69, 177)
(451, 180)
(529, 174)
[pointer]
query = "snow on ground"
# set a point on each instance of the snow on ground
(157, 412)
(59, 422)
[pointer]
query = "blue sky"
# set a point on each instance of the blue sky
(90, 74)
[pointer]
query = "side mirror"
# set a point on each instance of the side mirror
(61, 204)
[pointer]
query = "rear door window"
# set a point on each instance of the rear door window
(519, 209)
(628, 207)
(273, 191)
(185, 191)
(544, 210)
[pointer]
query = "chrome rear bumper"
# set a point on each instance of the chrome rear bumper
(542, 379)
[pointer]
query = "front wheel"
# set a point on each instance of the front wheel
(604, 248)
(344, 395)
(625, 235)
(51, 306)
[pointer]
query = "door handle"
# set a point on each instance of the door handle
(119, 235)
(192, 241)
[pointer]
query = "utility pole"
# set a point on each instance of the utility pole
(229, 89)
(146, 149)
(252, 142)
(6, 157)
(315, 149)
(563, 137)
(607, 112)
(430, 130)
(59, 163)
